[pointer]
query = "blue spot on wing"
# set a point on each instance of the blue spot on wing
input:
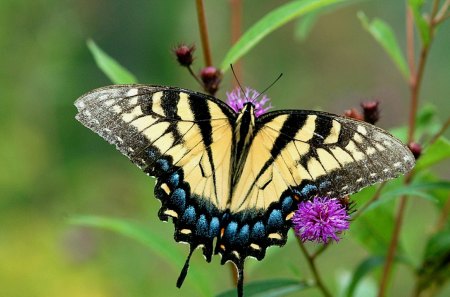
(174, 179)
(244, 235)
(202, 226)
(275, 219)
(178, 199)
(189, 216)
(286, 205)
(230, 231)
(258, 231)
(214, 227)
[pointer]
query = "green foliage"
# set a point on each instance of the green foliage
(435, 269)
(110, 67)
(421, 22)
(437, 152)
(385, 36)
(161, 246)
(364, 268)
(270, 22)
(269, 288)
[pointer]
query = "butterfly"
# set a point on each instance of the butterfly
(233, 177)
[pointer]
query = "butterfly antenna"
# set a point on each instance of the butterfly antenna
(271, 85)
(184, 271)
(237, 80)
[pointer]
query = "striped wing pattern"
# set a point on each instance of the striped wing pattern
(186, 139)
(315, 153)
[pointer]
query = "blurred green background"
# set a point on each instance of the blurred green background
(53, 169)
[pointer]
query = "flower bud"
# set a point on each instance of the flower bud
(416, 149)
(184, 54)
(211, 77)
(371, 111)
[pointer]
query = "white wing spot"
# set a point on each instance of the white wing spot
(359, 180)
(398, 164)
(119, 139)
(132, 92)
(110, 102)
(344, 188)
(362, 130)
(117, 109)
(133, 101)
(386, 170)
(106, 130)
(87, 113)
(373, 174)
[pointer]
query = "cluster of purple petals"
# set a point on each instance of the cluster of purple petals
(321, 219)
(237, 99)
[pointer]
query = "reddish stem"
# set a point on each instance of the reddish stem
(236, 31)
(203, 32)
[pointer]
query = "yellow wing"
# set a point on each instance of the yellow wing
(312, 153)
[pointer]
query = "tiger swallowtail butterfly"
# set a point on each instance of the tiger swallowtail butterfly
(231, 176)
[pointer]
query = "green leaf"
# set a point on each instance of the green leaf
(435, 153)
(304, 25)
(269, 288)
(435, 268)
(364, 268)
(421, 22)
(159, 245)
(384, 35)
(373, 229)
(110, 67)
(270, 22)
(415, 189)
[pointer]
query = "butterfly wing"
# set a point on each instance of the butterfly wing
(296, 155)
(180, 137)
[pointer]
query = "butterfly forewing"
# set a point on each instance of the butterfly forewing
(316, 153)
(148, 123)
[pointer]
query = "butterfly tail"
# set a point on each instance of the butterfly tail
(240, 281)
(184, 271)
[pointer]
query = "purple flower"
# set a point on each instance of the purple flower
(320, 219)
(237, 100)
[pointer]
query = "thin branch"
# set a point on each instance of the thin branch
(319, 251)
(203, 32)
(415, 84)
(313, 267)
(442, 14)
(440, 132)
(195, 76)
(442, 18)
(410, 42)
(236, 30)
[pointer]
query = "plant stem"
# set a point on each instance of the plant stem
(313, 267)
(236, 31)
(440, 132)
(203, 32)
(414, 85)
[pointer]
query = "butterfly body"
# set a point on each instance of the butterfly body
(232, 177)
